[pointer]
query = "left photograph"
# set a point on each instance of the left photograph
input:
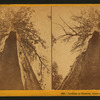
(25, 48)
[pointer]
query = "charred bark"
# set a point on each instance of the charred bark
(10, 75)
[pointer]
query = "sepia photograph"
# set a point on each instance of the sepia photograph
(25, 48)
(76, 51)
(50, 47)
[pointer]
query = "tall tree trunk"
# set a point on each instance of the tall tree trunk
(10, 75)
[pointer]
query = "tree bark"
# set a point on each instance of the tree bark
(31, 82)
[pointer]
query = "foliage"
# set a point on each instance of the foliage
(84, 25)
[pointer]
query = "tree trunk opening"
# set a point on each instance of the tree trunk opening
(10, 75)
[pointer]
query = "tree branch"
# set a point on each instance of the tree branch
(68, 33)
(40, 58)
(69, 26)
(30, 71)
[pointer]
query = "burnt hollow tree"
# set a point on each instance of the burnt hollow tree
(17, 27)
(84, 73)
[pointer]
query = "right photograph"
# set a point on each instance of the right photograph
(75, 48)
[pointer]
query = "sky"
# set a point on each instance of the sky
(43, 24)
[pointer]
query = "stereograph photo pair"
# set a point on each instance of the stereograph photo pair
(50, 47)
